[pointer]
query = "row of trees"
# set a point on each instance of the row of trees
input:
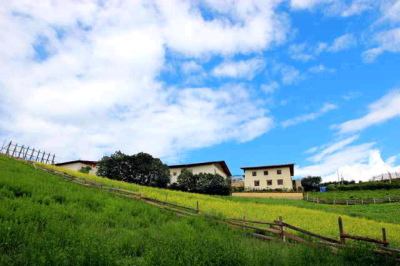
(145, 170)
(212, 184)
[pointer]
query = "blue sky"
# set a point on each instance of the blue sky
(313, 82)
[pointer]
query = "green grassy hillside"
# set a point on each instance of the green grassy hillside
(357, 194)
(45, 220)
(317, 220)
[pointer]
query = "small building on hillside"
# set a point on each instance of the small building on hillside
(269, 177)
(79, 164)
(216, 167)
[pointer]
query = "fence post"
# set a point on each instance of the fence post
(374, 201)
(389, 200)
(197, 206)
(26, 153)
(30, 158)
(384, 236)
(333, 202)
(342, 238)
(52, 161)
(2, 147)
(8, 149)
(362, 202)
(347, 202)
(15, 149)
(20, 151)
(282, 227)
(44, 153)
(307, 196)
(47, 160)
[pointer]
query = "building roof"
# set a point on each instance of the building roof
(77, 161)
(222, 163)
(291, 165)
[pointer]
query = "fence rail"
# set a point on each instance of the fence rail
(277, 231)
(352, 202)
(26, 153)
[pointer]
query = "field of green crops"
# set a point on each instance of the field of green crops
(357, 194)
(318, 221)
(46, 220)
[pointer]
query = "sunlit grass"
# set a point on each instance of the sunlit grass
(317, 221)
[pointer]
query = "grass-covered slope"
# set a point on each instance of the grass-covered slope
(46, 220)
(379, 212)
(315, 220)
(357, 194)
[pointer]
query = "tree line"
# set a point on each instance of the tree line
(144, 169)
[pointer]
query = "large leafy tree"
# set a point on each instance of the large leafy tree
(310, 183)
(141, 168)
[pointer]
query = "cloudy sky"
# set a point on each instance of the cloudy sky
(314, 82)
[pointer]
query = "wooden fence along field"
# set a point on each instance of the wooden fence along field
(272, 231)
(352, 202)
(26, 153)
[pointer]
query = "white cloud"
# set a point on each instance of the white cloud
(328, 166)
(343, 42)
(300, 52)
(288, 73)
(270, 88)
(320, 68)
(308, 117)
(374, 166)
(306, 52)
(391, 10)
(332, 148)
(386, 108)
(351, 95)
(96, 89)
(190, 67)
(305, 4)
(357, 7)
(311, 150)
(239, 69)
(387, 41)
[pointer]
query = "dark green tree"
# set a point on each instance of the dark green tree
(141, 168)
(311, 183)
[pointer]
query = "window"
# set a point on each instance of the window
(256, 183)
(265, 172)
(269, 182)
(280, 181)
(254, 173)
(279, 172)
(174, 173)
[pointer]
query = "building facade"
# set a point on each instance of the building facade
(269, 177)
(78, 164)
(216, 167)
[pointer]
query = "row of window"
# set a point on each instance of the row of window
(279, 172)
(269, 182)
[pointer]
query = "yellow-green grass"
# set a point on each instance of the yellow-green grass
(317, 221)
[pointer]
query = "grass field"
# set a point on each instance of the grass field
(380, 212)
(315, 220)
(356, 194)
(46, 220)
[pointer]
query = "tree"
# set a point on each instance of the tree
(85, 169)
(140, 168)
(212, 184)
(310, 183)
(187, 181)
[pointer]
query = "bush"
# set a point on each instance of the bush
(85, 169)
(211, 184)
(140, 168)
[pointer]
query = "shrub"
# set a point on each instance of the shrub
(311, 183)
(204, 183)
(85, 169)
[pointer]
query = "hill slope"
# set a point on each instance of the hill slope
(45, 220)
(315, 220)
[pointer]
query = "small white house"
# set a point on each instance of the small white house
(215, 167)
(78, 165)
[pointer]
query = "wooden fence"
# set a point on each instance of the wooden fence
(272, 231)
(26, 153)
(351, 202)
